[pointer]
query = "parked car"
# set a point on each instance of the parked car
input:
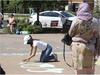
(51, 19)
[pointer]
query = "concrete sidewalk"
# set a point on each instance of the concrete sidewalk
(12, 64)
(12, 51)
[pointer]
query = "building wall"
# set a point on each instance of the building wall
(90, 2)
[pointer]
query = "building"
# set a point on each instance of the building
(76, 3)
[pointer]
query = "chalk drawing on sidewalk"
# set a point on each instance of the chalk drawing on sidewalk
(54, 70)
(40, 67)
(28, 54)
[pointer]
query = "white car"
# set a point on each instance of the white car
(51, 19)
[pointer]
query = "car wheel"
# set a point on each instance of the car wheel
(37, 24)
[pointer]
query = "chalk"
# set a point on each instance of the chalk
(40, 67)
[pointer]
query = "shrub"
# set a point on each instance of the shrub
(22, 24)
(33, 29)
(37, 29)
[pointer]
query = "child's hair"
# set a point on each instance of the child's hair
(31, 42)
(32, 38)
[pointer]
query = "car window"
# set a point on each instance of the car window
(45, 14)
(61, 16)
(54, 14)
(67, 14)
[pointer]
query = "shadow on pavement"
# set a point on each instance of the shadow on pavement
(45, 62)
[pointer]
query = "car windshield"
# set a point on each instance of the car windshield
(67, 14)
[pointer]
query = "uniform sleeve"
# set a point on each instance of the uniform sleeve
(72, 28)
(96, 28)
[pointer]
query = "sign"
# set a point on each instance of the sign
(54, 23)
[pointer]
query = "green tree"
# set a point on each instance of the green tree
(8, 8)
(11, 7)
(40, 5)
(96, 9)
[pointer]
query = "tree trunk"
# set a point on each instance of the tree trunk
(38, 15)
